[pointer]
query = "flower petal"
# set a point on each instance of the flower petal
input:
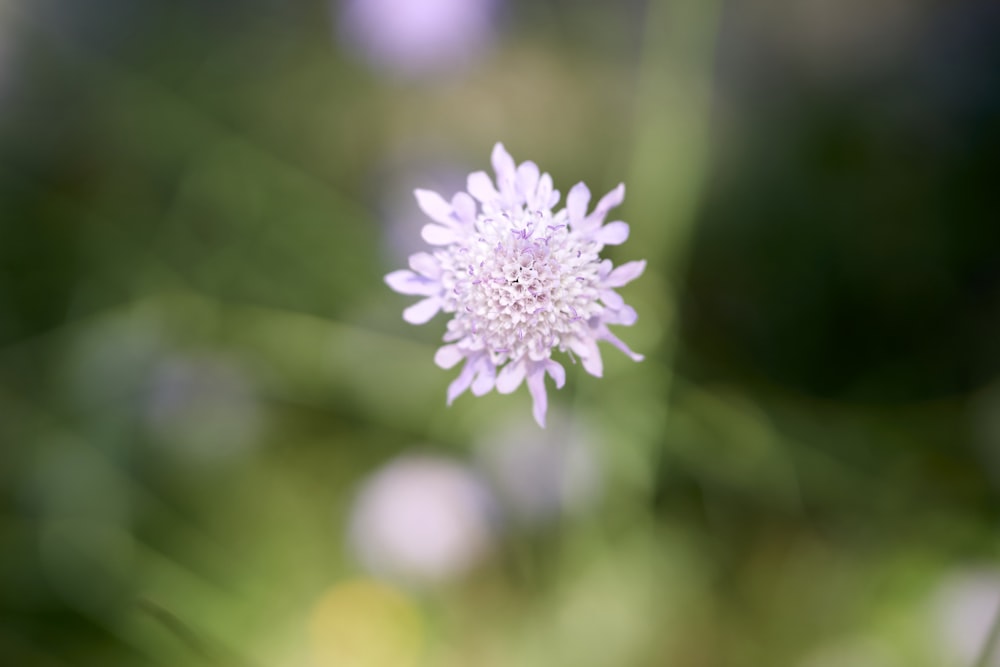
(438, 235)
(481, 187)
(422, 311)
(464, 207)
(425, 264)
(510, 377)
(614, 340)
(447, 356)
(625, 316)
(435, 206)
(589, 354)
(503, 163)
(625, 273)
(554, 197)
(541, 195)
(558, 373)
(612, 299)
(485, 377)
(576, 203)
(613, 233)
(540, 400)
(462, 382)
(407, 282)
(527, 179)
(608, 202)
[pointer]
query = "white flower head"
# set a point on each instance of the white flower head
(421, 520)
(519, 279)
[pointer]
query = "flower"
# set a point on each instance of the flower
(417, 37)
(519, 279)
(963, 607)
(421, 520)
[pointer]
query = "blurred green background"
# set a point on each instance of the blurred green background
(221, 445)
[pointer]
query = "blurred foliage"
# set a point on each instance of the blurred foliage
(200, 364)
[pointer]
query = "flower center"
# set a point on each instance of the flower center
(521, 290)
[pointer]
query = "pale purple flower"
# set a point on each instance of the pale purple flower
(963, 607)
(416, 37)
(421, 519)
(518, 279)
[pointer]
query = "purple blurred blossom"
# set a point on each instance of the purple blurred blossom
(963, 608)
(414, 37)
(421, 520)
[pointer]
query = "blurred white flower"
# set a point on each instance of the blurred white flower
(963, 609)
(421, 520)
(540, 475)
(414, 37)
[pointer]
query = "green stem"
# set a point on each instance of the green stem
(670, 158)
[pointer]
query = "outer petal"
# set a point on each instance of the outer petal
(481, 187)
(607, 202)
(589, 354)
(540, 400)
(422, 311)
(527, 179)
(554, 196)
(576, 204)
(448, 355)
(465, 208)
(503, 163)
(612, 299)
(613, 233)
(510, 377)
(558, 373)
(485, 377)
(624, 316)
(407, 282)
(625, 273)
(462, 382)
(435, 206)
(614, 340)
(438, 235)
(543, 196)
(425, 264)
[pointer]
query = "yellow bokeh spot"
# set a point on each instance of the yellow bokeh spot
(364, 623)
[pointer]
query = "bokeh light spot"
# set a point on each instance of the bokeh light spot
(362, 623)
